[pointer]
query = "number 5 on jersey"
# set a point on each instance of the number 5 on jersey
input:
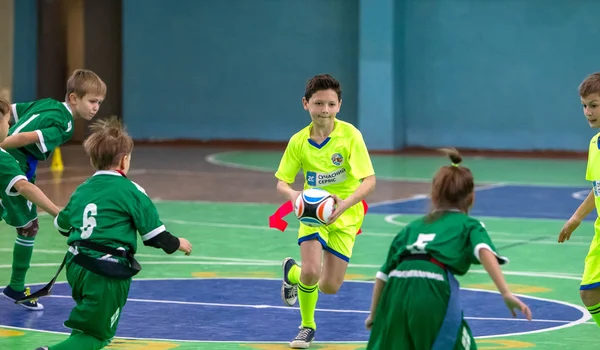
(419, 246)
(89, 221)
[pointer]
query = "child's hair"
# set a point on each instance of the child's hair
(590, 85)
(322, 82)
(452, 186)
(108, 143)
(83, 82)
(4, 107)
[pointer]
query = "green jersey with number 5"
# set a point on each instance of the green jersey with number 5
(109, 209)
(454, 239)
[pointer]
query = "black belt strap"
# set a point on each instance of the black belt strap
(101, 248)
(102, 267)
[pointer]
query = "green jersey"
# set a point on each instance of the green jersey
(454, 239)
(10, 173)
(50, 119)
(109, 209)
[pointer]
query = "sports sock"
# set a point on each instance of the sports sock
(595, 312)
(307, 297)
(294, 274)
(22, 252)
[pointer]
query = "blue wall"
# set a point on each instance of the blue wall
(25, 51)
(232, 69)
(498, 74)
(494, 74)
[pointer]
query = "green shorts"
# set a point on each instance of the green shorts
(99, 302)
(412, 308)
(18, 211)
(337, 238)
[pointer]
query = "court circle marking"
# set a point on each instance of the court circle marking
(566, 324)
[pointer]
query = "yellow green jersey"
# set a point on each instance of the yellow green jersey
(337, 165)
(593, 173)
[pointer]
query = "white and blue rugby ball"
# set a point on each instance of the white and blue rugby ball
(314, 207)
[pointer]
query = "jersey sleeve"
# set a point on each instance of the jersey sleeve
(53, 136)
(392, 257)
(290, 162)
(360, 162)
(145, 216)
(480, 239)
(589, 174)
(10, 173)
(61, 221)
(19, 109)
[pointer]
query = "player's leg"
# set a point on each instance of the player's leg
(390, 329)
(342, 234)
(99, 302)
(590, 283)
(305, 279)
(22, 215)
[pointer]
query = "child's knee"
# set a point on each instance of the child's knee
(590, 297)
(310, 274)
(329, 287)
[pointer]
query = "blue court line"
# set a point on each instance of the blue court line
(510, 201)
(215, 310)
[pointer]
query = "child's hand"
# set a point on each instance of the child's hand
(369, 322)
(512, 302)
(568, 229)
(294, 195)
(340, 207)
(185, 246)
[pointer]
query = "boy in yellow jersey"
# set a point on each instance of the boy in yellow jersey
(589, 91)
(333, 156)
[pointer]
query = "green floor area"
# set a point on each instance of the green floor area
(232, 240)
(420, 169)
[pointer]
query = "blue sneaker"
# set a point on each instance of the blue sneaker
(13, 295)
(289, 291)
(304, 338)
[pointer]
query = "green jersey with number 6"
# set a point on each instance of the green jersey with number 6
(454, 239)
(109, 209)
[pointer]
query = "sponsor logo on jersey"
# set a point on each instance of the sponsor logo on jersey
(337, 159)
(324, 179)
(596, 188)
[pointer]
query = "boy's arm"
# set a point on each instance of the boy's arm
(582, 211)
(585, 208)
(289, 165)
(287, 191)
(20, 140)
(153, 231)
(33, 194)
(367, 186)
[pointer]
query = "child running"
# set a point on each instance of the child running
(415, 301)
(102, 220)
(333, 156)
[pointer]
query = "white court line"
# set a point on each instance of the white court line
(552, 275)
(564, 324)
(263, 306)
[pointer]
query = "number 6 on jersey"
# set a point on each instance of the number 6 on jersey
(89, 221)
